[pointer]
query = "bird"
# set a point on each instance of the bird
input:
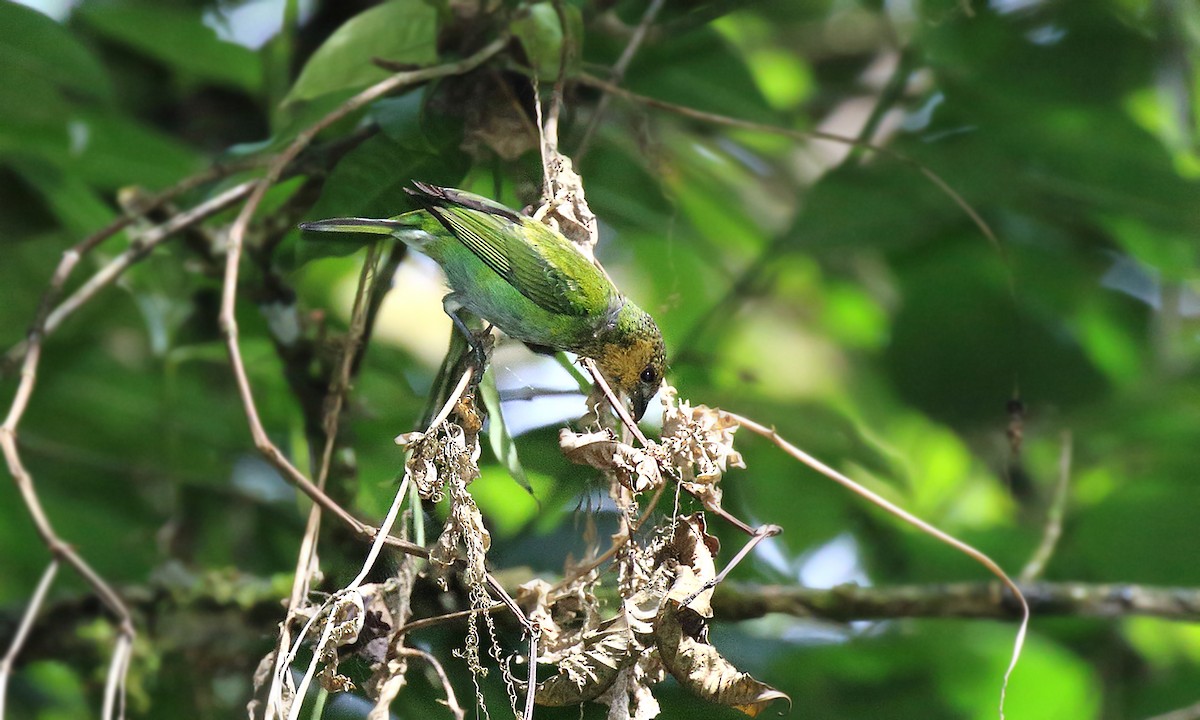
(526, 279)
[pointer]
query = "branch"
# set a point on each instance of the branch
(1054, 517)
(734, 601)
(258, 602)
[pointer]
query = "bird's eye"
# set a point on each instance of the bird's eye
(649, 375)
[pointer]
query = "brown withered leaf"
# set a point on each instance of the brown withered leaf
(699, 442)
(591, 668)
(702, 670)
(694, 551)
(564, 207)
(630, 697)
(636, 469)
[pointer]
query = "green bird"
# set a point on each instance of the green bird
(528, 280)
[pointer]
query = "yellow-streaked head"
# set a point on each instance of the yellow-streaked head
(632, 357)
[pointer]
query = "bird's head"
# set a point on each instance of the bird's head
(632, 357)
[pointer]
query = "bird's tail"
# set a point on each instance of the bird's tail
(386, 226)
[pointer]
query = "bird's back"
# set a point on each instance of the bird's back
(519, 274)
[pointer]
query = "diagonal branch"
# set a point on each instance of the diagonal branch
(237, 235)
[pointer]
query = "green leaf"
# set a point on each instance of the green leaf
(403, 31)
(179, 39)
(71, 200)
(370, 182)
(115, 150)
(43, 68)
(35, 48)
(498, 436)
(701, 70)
(541, 35)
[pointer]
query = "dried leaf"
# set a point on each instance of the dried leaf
(564, 207)
(591, 668)
(347, 616)
(699, 443)
(702, 670)
(694, 552)
(630, 697)
(390, 674)
(636, 469)
(388, 686)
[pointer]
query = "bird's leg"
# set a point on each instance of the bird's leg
(451, 305)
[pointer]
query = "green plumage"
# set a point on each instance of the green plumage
(529, 281)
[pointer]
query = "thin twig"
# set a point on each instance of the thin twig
(18, 640)
(72, 255)
(435, 620)
(913, 520)
(618, 407)
(715, 119)
(59, 549)
(617, 73)
(1191, 712)
(531, 679)
(1054, 517)
(138, 249)
(451, 700)
(340, 383)
(735, 601)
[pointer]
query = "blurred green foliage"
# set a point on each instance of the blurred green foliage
(840, 296)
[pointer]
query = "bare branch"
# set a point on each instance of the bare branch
(18, 640)
(1054, 517)
(846, 603)
(451, 700)
(617, 73)
(618, 407)
(139, 249)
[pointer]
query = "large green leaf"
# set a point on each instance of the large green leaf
(403, 31)
(176, 37)
(43, 69)
(370, 182)
(541, 35)
(35, 48)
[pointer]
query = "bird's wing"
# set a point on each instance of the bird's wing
(534, 259)
(427, 194)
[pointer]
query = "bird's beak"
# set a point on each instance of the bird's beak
(639, 400)
(355, 225)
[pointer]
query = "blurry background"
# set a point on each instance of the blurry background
(840, 295)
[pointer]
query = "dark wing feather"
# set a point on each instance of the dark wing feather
(428, 195)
